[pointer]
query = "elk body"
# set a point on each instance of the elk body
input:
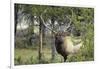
(64, 45)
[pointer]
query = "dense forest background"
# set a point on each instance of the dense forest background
(34, 41)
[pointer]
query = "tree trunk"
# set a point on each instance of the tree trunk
(41, 40)
(32, 18)
(43, 32)
(15, 22)
(15, 18)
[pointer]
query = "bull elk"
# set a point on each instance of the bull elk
(63, 42)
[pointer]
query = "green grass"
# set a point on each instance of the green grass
(27, 56)
(30, 56)
(22, 56)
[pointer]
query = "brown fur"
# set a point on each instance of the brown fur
(59, 41)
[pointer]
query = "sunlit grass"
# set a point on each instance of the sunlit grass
(30, 56)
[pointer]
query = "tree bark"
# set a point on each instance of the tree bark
(15, 18)
(40, 40)
(15, 22)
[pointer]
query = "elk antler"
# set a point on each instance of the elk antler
(41, 16)
(69, 24)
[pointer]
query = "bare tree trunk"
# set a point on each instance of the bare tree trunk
(15, 22)
(41, 40)
(32, 19)
(43, 35)
(15, 18)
